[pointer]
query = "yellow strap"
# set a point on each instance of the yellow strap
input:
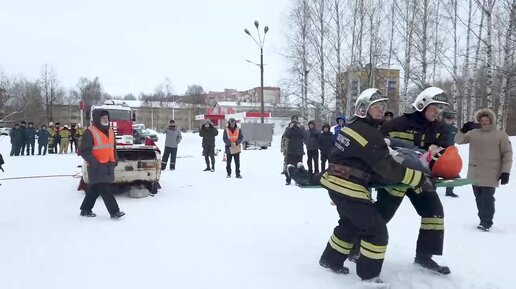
(431, 227)
(345, 187)
(338, 248)
(409, 173)
(341, 243)
(372, 247)
(416, 178)
(432, 221)
(371, 255)
(402, 135)
(355, 135)
(396, 192)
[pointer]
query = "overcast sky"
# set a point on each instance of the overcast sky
(132, 46)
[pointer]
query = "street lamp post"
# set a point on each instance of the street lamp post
(260, 44)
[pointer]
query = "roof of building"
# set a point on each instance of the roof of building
(257, 104)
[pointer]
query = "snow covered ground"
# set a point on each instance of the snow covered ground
(205, 231)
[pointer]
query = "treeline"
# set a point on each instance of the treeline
(467, 47)
(22, 99)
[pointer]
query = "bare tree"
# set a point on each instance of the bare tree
(318, 41)
(299, 21)
(7, 85)
(473, 100)
(44, 83)
(90, 91)
(407, 27)
(452, 9)
(27, 99)
(466, 72)
(336, 38)
(195, 94)
(487, 7)
(508, 68)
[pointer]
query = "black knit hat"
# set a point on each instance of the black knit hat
(449, 114)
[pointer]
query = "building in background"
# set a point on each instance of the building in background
(66, 114)
(355, 81)
(270, 95)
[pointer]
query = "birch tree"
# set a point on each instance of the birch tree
(466, 72)
(487, 7)
(298, 49)
(508, 67)
(473, 99)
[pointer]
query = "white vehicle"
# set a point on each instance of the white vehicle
(138, 126)
(5, 130)
(138, 165)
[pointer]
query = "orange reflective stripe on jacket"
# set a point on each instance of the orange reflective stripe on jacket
(103, 146)
(232, 136)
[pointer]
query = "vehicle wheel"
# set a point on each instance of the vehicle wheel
(264, 147)
(153, 188)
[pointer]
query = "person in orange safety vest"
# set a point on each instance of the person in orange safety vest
(233, 138)
(99, 152)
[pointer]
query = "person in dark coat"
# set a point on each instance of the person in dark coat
(23, 144)
(30, 138)
(387, 116)
(449, 121)
(208, 133)
(326, 143)
(284, 145)
(360, 158)
(100, 160)
(312, 147)
(420, 127)
(73, 138)
(57, 137)
(43, 136)
(1, 163)
(232, 137)
(295, 150)
(341, 122)
(13, 143)
(17, 140)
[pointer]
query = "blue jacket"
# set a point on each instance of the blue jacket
(30, 135)
(43, 136)
(452, 131)
(338, 127)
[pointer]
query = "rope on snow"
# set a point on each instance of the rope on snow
(77, 175)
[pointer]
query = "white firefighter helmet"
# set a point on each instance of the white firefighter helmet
(431, 95)
(366, 99)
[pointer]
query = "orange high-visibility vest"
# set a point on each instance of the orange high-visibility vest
(232, 136)
(103, 146)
